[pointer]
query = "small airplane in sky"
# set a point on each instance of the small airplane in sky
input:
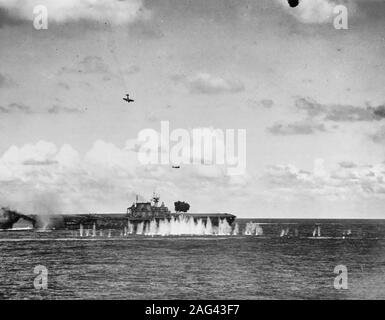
(127, 98)
(175, 167)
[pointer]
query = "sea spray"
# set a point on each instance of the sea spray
(258, 230)
(209, 227)
(130, 228)
(183, 225)
(224, 228)
(253, 228)
(139, 228)
(236, 229)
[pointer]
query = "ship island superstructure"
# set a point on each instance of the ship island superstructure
(149, 210)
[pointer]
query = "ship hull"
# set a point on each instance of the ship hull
(214, 218)
(120, 221)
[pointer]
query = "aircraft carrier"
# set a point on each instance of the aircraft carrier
(138, 212)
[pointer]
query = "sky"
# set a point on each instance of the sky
(310, 97)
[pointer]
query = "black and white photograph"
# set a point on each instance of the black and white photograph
(192, 150)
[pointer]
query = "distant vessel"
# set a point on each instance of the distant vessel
(8, 218)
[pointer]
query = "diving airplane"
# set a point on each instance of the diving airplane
(127, 98)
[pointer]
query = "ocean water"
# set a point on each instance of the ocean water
(258, 266)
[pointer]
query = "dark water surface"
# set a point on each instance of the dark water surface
(209, 267)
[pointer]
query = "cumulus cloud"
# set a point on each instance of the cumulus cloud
(2, 80)
(311, 11)
(117, 12)
(147, 29)
(378, 112)
(56, 109)
(345, 113)
(339, 113)
(264, 103)
(89, 64)
(42, 152)
(340, 182)
(20, 108)
(94, 66)
(63, 85)
(99, 179)
(46, 178)
(33, 170)
(131, 70)
(16, 108)
(316, 115)
(296, 128)
(5, 81)
(205, 83)
(379, 135)
(6, 19)
(347, 164)
(267, 103)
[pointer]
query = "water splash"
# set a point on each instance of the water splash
(139, 228)
(284, 232)
(236, 229)
(253, 228)
(176, 226)
(180, 226)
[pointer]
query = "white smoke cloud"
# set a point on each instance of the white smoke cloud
(114, 11)
(311, 11)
